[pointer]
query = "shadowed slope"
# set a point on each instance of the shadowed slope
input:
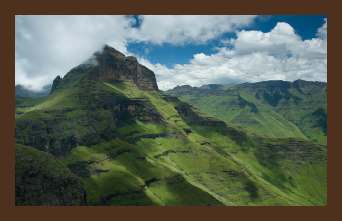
(132, 145)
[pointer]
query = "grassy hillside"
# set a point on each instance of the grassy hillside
(302, 102)
(274, 109)
(42, 179)
(246, 112)
(129, 146)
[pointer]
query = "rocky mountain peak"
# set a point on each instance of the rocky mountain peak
(186, 86)
(115, 66)
(55, 83)
(109, 65)
(111, 52)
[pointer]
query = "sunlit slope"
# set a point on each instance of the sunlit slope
(134, 147)
(246, 112)
(303, 103)
(274, 109)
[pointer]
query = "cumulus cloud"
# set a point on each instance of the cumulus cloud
(322, 31)
(253, 56)
(180, 29)
(46, 46)
(50, 45)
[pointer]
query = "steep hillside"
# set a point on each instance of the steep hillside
(42, 179)
(270, 109)
(302, 102)
(107, 124)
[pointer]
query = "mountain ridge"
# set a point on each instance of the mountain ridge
(110, 65)
(302, 103)
(126, 143)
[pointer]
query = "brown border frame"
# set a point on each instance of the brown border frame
(8, 9)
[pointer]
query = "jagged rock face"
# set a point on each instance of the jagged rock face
(109, 65)
(55, 83)
(115, 66)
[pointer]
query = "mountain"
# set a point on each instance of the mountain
(106, 135)
(23, 92)
(25, 97)
(276, 109)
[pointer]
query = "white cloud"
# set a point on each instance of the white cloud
(322, 31)
(281, 41)
(180, 29)
(47, 45)
(253, 56)
(50, 45)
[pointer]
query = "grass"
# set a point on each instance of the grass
(54, 101)
(201, 167)
(265, 122)
(43, 179)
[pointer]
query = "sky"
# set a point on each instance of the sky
(180, 49)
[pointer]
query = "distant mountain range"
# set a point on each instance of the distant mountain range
(269, 109)
(106, 135)
(23, 92)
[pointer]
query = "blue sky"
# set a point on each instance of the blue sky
(192, 50)
(169, 54)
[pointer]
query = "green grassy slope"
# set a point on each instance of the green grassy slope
(246, 112)
(42, 179)
(135, 147)
(303, 103)
(274, 109)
